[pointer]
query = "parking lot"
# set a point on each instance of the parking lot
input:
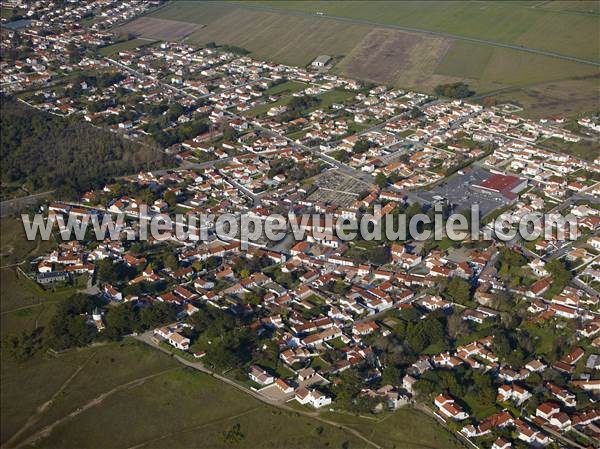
(458, 191)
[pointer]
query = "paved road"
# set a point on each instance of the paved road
(11, 206)
(522, 48)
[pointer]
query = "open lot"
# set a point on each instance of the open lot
(406, 428)
(569, 97)
(395, 57)
(159, 29)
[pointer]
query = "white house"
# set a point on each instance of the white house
(449, 408)
(260, 376)
(179, 341)
(313, 397)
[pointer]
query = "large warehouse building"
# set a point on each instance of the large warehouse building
(506, 185)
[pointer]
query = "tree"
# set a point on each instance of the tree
(424, 333)
(68, 326)
(391, 375)
(456, 326)
(157, 314)
(229, 134)
(171, 262)
(381, 180)
(453, 90)
(170, 198)
(233, 435)
(361, 146)
(122, 320)
(459, 290)
(45, 151)
(23, 346)
(560, 276)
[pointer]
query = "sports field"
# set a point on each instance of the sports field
(373, 41)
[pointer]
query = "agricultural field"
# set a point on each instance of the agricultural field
(285, 38)
(413, 45)
(569, 97)
(582, 6)
(520, 23)
(158, 29)
(396, 57)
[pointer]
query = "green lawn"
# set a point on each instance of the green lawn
(584, 149)
(405, 428)
(331, 97)
(288, 87)
(112, 50)
(171, 408)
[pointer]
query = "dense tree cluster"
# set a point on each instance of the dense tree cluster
(228, 344)
(453, 90)
(70, 326)
(292, 170)
(298, 105)
(45, 151)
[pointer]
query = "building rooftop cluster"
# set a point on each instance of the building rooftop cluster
(256, 138)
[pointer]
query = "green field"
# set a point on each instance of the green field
(403, 429)
(569, 97)
(274, 36)
(583, 149)
(23, 305)
(126, 394)
(465, 59)
(111, 50)
(327, 99)
(506, 22)
(369, 41)
(14, 246)
(288, 87)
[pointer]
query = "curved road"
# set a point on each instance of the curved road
(420, 30)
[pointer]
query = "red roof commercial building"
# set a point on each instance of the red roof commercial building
(506, 185)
